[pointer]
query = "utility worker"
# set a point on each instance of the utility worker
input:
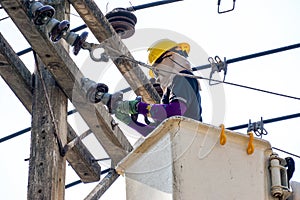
(180, 94)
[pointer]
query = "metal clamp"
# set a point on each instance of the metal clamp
(91, 47)
(278, 173)
(257, 128)
(225, 11)
(217, 65)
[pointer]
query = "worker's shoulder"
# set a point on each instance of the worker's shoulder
(183, 80)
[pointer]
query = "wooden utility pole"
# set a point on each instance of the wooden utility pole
(19, 79)
(49, 124)
(47, 166)
(68, 76)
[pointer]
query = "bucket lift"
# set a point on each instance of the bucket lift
(183, 158)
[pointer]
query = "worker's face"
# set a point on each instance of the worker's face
(165, 65)
(165, 70)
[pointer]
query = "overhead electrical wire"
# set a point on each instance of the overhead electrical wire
(4, 18)
(259, 90)
(268, 52)
(204, 78)
(277, 119)
(229, 61)
(264, 53)
(250, 56)
(73, 184)
(79, 181)
(286, 152)
(21, 132)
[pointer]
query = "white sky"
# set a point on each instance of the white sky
(253, 26)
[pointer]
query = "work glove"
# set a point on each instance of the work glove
(128, 107)
(125, 118)
(112, 102)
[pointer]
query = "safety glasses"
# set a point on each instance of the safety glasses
(161, 58)
(153, 73)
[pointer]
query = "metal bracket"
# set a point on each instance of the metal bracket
(278, 173)
(75, 141)
(257, 128)
(91, 47)
(225, 11)
(217, 65)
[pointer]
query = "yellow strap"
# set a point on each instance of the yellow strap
(250, 148)
(222, 135)
(149, 108)
(151, 73)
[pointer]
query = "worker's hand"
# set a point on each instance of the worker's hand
(125, 118)
(128, 107)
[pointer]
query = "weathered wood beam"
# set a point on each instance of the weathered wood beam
(15, 74)
(104, 184)
(68, 76)
(103, 31)
(47, 166)
(82, 161)
(19, 79)
(93, 171)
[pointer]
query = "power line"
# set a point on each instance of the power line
(259, 90)
(239, 85)
(277, 119)
(73, 184)
(286, 152)
(268, 52)
(4, 18)
(272, 51)
(203, 78)
(79, 181)
(198, 77)
(250, 56)
(242, 86)
(21, 132)
(207, 66)
(229, 61)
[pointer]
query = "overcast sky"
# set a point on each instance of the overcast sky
(254, 26)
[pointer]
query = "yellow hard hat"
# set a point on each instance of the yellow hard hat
(161, 46)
